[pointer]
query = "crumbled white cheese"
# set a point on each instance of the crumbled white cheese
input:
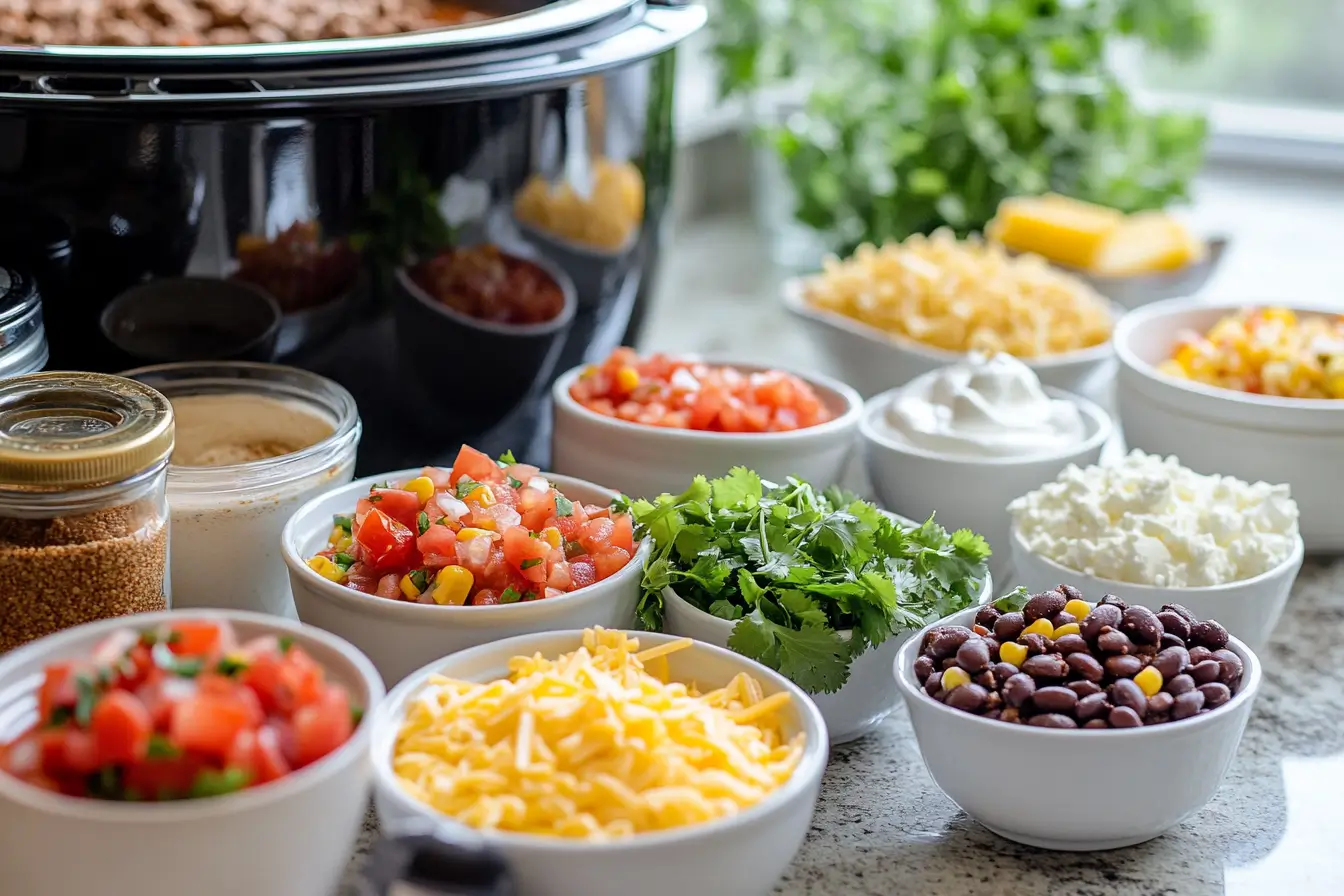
(1150, 521)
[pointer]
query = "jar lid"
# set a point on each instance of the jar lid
(23, 340)
(67, 430)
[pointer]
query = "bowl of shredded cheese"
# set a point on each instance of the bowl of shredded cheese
(598, 760)
(887, 314)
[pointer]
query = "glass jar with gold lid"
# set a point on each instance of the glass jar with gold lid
(83, 506)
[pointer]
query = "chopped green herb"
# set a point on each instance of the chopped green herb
(533, 534)
(422, 522)
(1013, 601)
(183, 666)
(160, 747)
(356, 715)
(286, 642)
(105, 784)
(441, 521)
(86, 695)
(510, 596)
(530, 562)
(378, 485)
(230, 666)
(343, 522)
(531, 595)
(515, 483)
(466, 485)
(60, 715)
(507, 459)
(216, 783)
(573, 549)
(374, 499)
(563, 506)
(620, 504)
(343, 560)
(420, 579)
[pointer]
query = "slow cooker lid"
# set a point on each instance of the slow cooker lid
(513, 22)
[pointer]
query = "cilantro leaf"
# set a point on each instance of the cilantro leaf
(816, 659)
(740, 487)
(563, 506)
(1014, 600)
(465, 486)
(507, 459)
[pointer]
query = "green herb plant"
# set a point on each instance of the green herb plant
(812, 579)
(927, 114)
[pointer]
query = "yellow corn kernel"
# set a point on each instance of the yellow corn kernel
(1068, 628)
(627, 378)
(337, 533)
(588, 371)
(1283, 315)
(408, 587)
(423, 487)
(481, 496)
(955, 678)
(1173, 368)
(1334, 385)
(1012, 652)
(467, 533)
(1149, 680)
(552, 536)
(1040, 627)
(1078, 609)
(452, 585)
(324, 567)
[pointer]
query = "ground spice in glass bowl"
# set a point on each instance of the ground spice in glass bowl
(83, 508)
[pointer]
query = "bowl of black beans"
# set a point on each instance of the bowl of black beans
(1068, 724)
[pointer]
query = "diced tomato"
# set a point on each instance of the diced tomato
(258, 753)
(120, 725)
(521, 472)
(442, 479)
(610, 561)
(582, 573)
(69, 751)
(265, 676)
(390, 586)
(595, 535)
(623, 532)
(559, 577)
(136, 668)
(476, 466)
(322, 726)
(194, 638)
(115, 646)
(535, 507)
(166, 777)
(496, 518)
(209, 723)
(401, 505)
(526, 553)
(57, 690)
(485, 597)
(437, 546)
(386, 542)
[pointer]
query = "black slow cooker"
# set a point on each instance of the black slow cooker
(268, 202)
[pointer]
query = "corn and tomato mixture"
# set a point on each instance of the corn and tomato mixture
(593, 745)
(179, 711)
(1268, 351)
(484, 532)
(680, 394)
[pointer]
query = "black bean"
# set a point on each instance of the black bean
(1123, 666)
(1055, 699)
(949, 639)
(1008, 626)
(1091, 706)
(923, 668)
(1124, 717)
(1043, 606)
(1205, 672)
(1141, 624)
(1126, 693)
(1181, 684)
(1062, 618)
(1018, 689)
(948, 663)
(1215, 694)
(973, 655)
(967, 698)
(1097, 723)
(1187, 705)
(1037, 644)
(984, 678)
(1161, 702)
(993, 714)
(1084, 688)
(1209, 634)
(1112, 600)
(1114, 642)
(1046, 666)
(1175, 624)
(1231, 666)
(1199, 655)
(994, 702)
(1101, 617)
(1172, 662)
(986, 616)
(1086, 665)
(1172, 641)
(993, 644)
(1052, 720)
(1180, 611)
(1003, 671)
(1069, 592)
(933, 684)
(1071, 644)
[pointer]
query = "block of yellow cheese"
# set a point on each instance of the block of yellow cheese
(1065, 231)
(1146, 243)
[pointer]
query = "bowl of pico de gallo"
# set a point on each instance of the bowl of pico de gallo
(414, 565)
(648, 425)
(216, 752)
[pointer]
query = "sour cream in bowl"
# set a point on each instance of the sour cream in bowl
(966, 439)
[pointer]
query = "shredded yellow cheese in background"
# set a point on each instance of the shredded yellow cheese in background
(592, 745)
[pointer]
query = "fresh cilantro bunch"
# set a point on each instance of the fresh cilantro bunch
(797, 568)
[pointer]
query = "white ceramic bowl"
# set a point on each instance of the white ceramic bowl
(400, 636)
(292, 837)
(645, 461)
(872, 361)
(860, 705)
(743, 855)
(967, 492)
(1131, 785)
(1248, 609)
(1212, 430)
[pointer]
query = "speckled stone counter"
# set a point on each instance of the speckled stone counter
(1276, 828)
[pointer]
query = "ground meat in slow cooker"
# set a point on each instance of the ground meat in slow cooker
(190, 22)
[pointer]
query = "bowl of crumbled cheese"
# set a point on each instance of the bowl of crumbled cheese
(1160, 533)
(580, 757)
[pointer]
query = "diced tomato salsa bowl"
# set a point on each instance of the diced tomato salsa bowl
(647, 425)
(224, 748)
(414, 565)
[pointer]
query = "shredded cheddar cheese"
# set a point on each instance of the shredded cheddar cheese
(593, 745)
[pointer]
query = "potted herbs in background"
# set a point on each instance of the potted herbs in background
(878, 120)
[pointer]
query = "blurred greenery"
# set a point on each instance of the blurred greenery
(927, 113)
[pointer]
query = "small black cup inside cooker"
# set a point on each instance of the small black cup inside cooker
(193, 319)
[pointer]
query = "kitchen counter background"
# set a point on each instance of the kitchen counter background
(882, 827)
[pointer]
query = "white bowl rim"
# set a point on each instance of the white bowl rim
(792, 291)
(1168, 307)
(903, 671)
(1294, 558)
(382, 606)
(847, 418)
(204, 808)
(811, 764)
(1098, 420)
(567, 310)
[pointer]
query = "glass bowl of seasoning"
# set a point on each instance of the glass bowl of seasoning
(23, 340)
(255, 442)
(83, 509)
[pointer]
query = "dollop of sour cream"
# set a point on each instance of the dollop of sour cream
(984, 406)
